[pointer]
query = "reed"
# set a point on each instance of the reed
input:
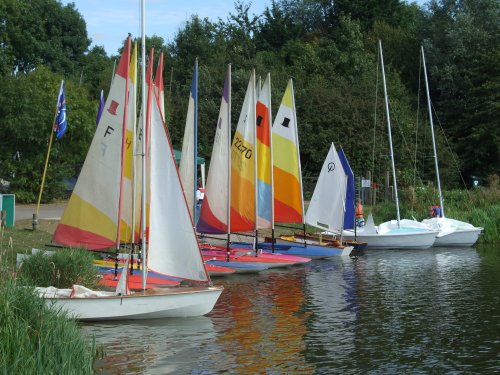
(35, 339)
(61, 269)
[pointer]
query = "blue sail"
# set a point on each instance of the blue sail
(350, 193)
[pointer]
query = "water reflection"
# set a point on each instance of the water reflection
(422, 311)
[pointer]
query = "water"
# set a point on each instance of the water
(431, 311)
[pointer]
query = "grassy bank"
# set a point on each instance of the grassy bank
(35, 339)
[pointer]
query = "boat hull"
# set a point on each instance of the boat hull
(458, 238)
(418, 240)
(151, 304)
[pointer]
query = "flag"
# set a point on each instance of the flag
(60, 123)
(100, 108)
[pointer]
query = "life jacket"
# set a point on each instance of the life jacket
(359, 211)
(436, 211)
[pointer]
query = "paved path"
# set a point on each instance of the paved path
(47, 211)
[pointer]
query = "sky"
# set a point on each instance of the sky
(110, 21)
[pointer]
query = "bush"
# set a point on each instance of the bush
(62, 269)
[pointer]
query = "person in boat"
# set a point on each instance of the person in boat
(434, 211)
(200, 194)
(360, 220)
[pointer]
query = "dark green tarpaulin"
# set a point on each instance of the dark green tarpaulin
(177, 154)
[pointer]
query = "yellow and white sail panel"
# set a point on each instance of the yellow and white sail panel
(173, 246)
(90, 219)
(288, 205)
(129, 145)
(187, 165)
(327, 206)
(215, 207)
(264, 161)
(243, 176)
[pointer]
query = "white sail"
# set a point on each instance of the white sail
(215, 207)
(327, 206)
(173, 246)
(187, 164)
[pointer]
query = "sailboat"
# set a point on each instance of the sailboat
(451, 232)
(286, 179)
(400, 233)
(172, 247)
(230, 203)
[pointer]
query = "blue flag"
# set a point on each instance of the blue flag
(60, 123)
(100, 108)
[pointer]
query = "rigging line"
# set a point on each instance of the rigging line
(455, 161)
(375, 118)
(399, 127)
(416, 134)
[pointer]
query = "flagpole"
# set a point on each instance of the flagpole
(35, 215)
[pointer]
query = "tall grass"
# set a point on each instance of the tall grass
(35, 339)
(62, 269)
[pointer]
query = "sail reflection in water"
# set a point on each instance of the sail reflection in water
(424, 311)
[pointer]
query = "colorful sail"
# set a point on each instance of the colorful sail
(264, 160)
(187, 165)
(288, 203)
(173, 247)
(215, 208)
(91, 217)
(127, 213)
(326, 209)
(350, 192)
(243, 164)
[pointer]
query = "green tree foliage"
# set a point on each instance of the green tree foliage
(329, 48)
(463, 48)
(58, 39)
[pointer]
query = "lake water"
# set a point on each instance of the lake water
(433, 311)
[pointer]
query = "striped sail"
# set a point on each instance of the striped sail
(264, 160)
(129, 145)
(90, 219)
(350, 195)
(288, 203)
(173, 246)
(187, 165)
(243, 164)
(215, 208)
(326, 209)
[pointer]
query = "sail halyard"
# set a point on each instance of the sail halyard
(429, 107)
(390, 134)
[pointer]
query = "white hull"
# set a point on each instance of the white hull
(420, 240)
(151, 304)
(459, 238)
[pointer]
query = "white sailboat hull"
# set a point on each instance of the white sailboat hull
(416, 240)
(150, 304)
(453, 232)
(458, 238)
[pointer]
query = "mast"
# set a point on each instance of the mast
(432, 133)
(389, 132)
(195, 136)
(228, 249)
(143, 141)
(298, 158)
(255, 165)
(270, 122)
